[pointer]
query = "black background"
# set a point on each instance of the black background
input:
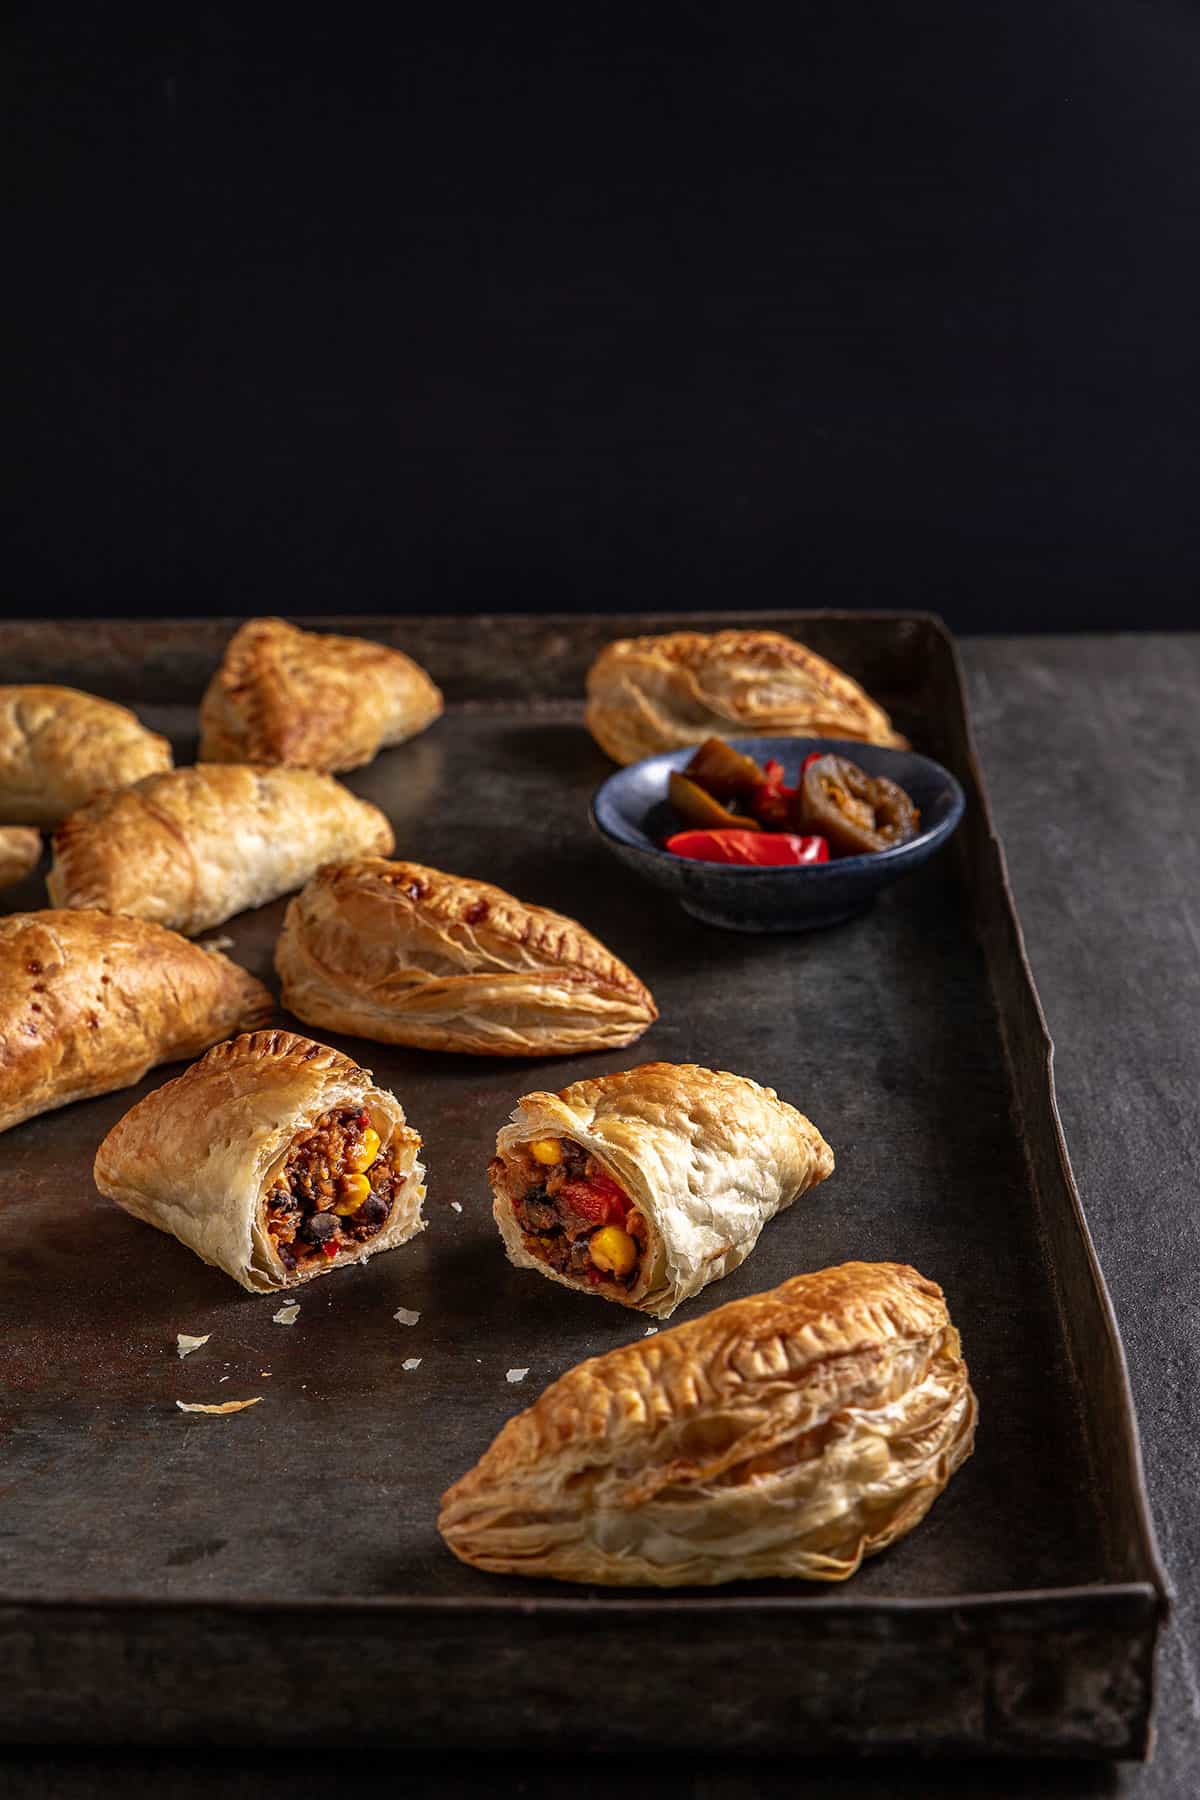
(897, 307)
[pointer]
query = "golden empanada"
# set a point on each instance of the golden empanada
(89, 1002)
(273, 1158)
(191, 848)
(648, 694)
(60, 748)
(790, 1434)
(20, 848)
(310, 699)
(409, 955)
(642, 1187)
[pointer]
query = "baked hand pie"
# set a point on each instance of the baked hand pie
(312, 700)
(273, 1158)
(20, 848)
(643, 1187)
(648, 694)
(190, 848)
(789, 1434)
(89, 1002)
(409, 955)
(60, 748)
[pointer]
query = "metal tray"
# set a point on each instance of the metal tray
(275, 1576)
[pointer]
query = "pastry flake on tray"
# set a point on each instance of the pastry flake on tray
(648, 694)
(273, 1158)
(789, 1434)
(311, 699)
(20, 849)
(405, 954)
(89, 1003)
(60, 748)
(644, 1186)
(192, 847)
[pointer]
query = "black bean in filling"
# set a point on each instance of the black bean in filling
(306, 1216)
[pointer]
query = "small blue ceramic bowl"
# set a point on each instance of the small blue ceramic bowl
(631, 813)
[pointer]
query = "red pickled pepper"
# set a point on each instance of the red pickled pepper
(762, 849)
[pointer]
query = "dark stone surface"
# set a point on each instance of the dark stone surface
(1072, 736)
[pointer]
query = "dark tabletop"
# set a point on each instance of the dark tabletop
(1092, 755)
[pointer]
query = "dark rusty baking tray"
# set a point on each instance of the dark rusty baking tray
(276, 1577)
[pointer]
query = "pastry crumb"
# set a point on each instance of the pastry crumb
(650, 1331)
(411, 1362)
(184, 1344)
(216, 943)
(456, 1206)
(226, 1406)
(515, 1375)
(404, 1315)
(222, 1378)
(287, 1315)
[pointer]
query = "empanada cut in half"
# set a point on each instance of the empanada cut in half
(59, 748)
(89, 1003)
(191, 848)
(648, 694)
(789, 1434)
(273, 1158)
(311, 699)
(644, 1186)
(405, 954)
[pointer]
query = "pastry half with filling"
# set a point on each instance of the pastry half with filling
(648, 694)
(410, 955)
(89, 1003)
(20, 850)
(789, 1434)
(192, 847)
(645, 1186)
(273, 1158)
(59, 748)
(311, 699)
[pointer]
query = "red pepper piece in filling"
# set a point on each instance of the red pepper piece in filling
(330, 1248)
(776, 849)
(595, 1202)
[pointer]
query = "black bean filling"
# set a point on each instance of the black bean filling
(552, 1232)
(301, 1217)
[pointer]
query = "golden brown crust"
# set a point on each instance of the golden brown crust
(406, 954)
(60, 748)
(89, 1003)
(789, 1434)
(20, 849)
(199, 1156)
(311, 699)
(192, 847)
(707, 1158)
(649, 694)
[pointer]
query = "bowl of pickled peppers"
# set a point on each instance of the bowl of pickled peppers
(777, 834)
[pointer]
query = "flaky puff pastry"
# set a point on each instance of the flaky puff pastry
(648, 694)
(310, 699)
(199, 1157)
(60, 748)
(191, 848)
(89, 1003)
(706, 1157)
(20, 849)
(790, 1434)
(409, 955)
